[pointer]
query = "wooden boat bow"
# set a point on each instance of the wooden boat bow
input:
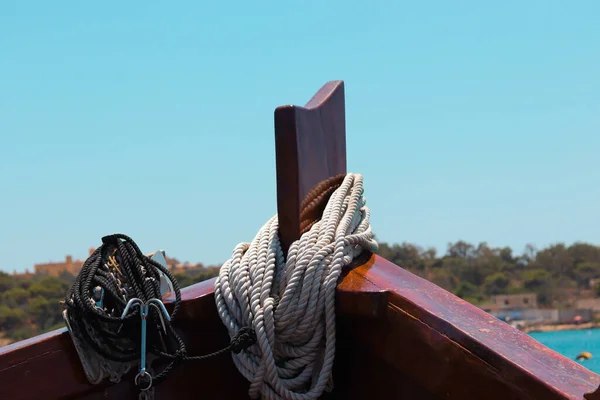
(399, 336)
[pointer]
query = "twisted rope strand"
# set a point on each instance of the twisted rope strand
(291, 303)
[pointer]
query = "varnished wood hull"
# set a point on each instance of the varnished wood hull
(399, 336)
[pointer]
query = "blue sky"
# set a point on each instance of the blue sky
(469, 120)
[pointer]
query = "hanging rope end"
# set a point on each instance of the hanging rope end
(245, 338)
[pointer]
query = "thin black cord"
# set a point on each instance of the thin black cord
(121, 271)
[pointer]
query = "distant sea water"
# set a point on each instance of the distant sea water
(571, 343)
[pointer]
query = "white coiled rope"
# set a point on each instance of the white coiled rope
(291, 304)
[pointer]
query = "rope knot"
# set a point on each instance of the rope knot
(245, 338)
(180, 355)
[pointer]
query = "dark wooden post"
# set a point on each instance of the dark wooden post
(310, 146)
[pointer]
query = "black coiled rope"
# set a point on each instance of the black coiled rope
(117, 272)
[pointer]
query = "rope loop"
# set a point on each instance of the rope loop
(290, 304)
(116, 295)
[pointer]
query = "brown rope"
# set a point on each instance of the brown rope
(314, 204)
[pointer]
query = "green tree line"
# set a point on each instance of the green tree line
(32, 305)
(558, 273)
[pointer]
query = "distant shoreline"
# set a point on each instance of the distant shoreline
(560, 327)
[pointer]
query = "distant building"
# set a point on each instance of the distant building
(74, 267)
(56, 268)
(523, 307)
(26, 274)
(546, 315)
(514, 301)
(593, 304)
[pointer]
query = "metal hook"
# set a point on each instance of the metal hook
(162, 311)
(131, 303)
(144, 310)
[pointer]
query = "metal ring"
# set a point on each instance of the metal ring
(139, 375)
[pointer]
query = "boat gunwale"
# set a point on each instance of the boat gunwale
(516, 355)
